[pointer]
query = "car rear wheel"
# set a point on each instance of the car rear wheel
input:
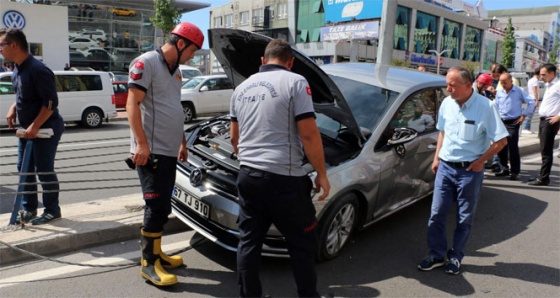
(92, 118)
(188, 111)
(337, 227)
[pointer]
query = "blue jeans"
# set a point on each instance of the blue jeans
(41, 161)
(453, 185)
(527, 121)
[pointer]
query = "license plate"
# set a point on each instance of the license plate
(193, 203)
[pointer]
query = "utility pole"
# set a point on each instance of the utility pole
(438, 54)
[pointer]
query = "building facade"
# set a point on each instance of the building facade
(101, 35)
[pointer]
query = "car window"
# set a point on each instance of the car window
(192, 83)
(6, 85)
(368, 103)
(419, 111)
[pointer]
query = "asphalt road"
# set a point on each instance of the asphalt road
(89, 163)
(514, 251)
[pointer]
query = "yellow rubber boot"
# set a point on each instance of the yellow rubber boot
(151, 267)
(167, 261)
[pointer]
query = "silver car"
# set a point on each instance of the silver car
(377, 123)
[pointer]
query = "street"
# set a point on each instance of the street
(89, 163)
(514, 250)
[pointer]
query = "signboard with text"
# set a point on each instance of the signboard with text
(349, 10)
(365, 30)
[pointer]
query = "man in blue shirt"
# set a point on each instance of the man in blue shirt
(471, 132)
(509, 102)
(35, 108)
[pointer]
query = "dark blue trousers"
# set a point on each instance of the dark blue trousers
(265, 199)
(511, 150)
(42, 161)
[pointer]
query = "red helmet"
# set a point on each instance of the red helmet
(190, 32)
(485, 79)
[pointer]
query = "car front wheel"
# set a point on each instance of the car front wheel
(188, 111)
(92, 118)
(337, 227)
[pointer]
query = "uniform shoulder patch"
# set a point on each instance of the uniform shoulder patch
(135, 76)
(139, 65)
(308, 89)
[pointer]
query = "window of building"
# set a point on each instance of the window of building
(282, 10)
(303, 36)
(258, 16)
(271, 11)
(450, 39)
(402, 29)
(317, 6)
(218, 22)
(425, 33)
(229, 21)
(473, 42)
(244, 18)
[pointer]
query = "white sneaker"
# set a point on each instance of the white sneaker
(526, 131)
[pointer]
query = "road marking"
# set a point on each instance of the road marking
(66, 269)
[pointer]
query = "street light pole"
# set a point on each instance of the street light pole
(438, 54)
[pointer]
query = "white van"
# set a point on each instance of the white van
(83, 96)
(188, 72)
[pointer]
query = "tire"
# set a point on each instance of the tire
(92, 118)
(337, 226)
(188, 111)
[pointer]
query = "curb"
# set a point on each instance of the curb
(82, 225)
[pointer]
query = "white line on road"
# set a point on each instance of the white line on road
(54, 272)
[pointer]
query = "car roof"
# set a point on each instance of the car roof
(390, 77)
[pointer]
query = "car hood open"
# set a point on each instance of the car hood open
(240, 52)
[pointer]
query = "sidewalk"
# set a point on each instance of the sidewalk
(115, 219)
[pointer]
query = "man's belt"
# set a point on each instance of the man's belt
(457, 164)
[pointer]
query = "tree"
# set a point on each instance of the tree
(553, 55)
(508, 47)
(400, 62)
(166, 17)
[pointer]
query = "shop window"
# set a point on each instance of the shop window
(402, 29)
(425, 33)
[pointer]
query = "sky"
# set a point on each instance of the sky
(201, 17)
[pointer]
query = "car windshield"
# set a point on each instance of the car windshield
(192, 83)
(368, 104)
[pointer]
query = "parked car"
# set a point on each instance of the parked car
(82, 43)
(123, 56)
(85, 97)
(99, 58)
(78, 59)
(188, 72)
(95, 34)
(118, 76)
(206, 95)
(117, 11)
(376, 165)
(121, 93)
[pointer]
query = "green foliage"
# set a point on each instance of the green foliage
(166, 16)
(508, 47)
(400, 62)
(472, 67)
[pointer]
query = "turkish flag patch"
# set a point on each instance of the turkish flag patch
(139, 65)
(308, 89)
(135, 76)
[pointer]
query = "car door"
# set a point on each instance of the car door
(226, 90)
(406, 172)
(7, 97)
(210, 97)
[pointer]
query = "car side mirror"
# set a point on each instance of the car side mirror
(402, 135)
(204, 88)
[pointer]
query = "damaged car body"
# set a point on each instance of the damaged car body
(377, 153)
